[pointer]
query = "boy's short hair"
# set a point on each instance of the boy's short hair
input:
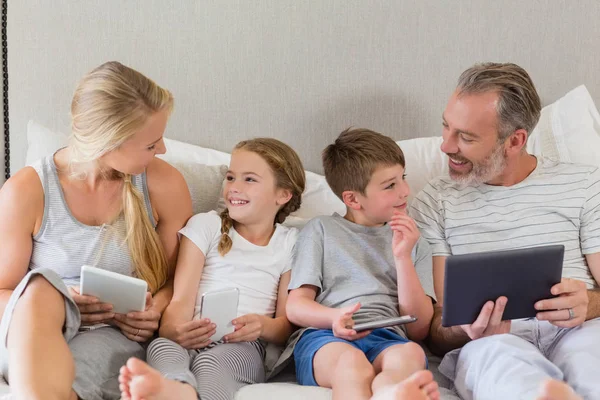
(352, 159)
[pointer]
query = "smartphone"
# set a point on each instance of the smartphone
(221, 308)
(384, 323)
(125, 293)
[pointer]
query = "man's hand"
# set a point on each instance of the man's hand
(405, 233)
(489, 322)
(342, 326)
(572, 295)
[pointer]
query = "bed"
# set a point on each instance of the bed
(298, 71)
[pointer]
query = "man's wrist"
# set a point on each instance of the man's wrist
(593, 309)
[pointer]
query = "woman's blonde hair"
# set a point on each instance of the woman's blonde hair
(289, 175)
(111, 104)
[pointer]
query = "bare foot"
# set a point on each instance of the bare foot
(557, 390)
(418, 386)
(137, 381)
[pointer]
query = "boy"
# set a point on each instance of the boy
(358, 268)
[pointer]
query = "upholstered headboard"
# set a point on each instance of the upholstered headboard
(300, 71)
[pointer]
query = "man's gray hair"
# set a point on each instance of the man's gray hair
(518, 105)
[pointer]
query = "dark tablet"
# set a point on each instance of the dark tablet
(524, 276)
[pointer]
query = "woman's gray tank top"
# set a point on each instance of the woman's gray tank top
(63, 244)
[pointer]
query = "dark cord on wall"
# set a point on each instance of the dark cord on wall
(5, 91)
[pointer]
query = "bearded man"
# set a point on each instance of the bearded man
(499, 197)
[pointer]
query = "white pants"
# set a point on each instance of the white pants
(514, 365)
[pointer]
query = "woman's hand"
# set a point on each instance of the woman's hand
(139, 326)
(91, 309)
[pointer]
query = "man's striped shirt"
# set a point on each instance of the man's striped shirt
(558, 203)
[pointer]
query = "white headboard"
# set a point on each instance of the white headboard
(301, 71)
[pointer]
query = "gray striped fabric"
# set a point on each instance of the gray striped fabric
(63, 244)
(217, 372)
(558, 203)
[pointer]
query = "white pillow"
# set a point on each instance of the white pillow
(569, 129)
(424, 161)
(181, 152)
(42, 141)
(204, 183)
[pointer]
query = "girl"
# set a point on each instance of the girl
(104, 200)
(245, 247)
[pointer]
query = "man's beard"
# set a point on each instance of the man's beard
(483, 171)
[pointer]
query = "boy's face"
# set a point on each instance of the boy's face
(386, 193)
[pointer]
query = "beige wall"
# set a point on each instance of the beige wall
(298, 70)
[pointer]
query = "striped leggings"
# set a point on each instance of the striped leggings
(216, 373)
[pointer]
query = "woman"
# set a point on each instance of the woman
(104, 200)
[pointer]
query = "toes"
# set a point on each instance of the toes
(138, 367)
(421, 378)
(430, 388)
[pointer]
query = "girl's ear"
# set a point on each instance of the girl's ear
(351, 200)
(283, 197)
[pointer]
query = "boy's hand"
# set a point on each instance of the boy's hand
(343, 324)
(248, 328)
(405, 233)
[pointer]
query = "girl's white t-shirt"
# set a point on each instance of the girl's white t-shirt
(254, 270)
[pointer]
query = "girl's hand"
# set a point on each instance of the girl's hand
(139, 326)
(190, 335)
(91, 309)
(248, 328)
(405, 233)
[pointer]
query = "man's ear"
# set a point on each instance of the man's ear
(516, 142)
(351, 199)
(285, 195)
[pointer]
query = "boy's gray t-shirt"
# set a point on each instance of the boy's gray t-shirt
(351, 263)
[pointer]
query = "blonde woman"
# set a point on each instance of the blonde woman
(104, 200)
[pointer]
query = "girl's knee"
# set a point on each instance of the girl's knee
(160, 343)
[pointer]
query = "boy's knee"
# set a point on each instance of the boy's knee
(353, 363)
(413, 351)
(404, 353)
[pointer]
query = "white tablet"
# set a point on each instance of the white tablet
(125, 293)
(221, 308)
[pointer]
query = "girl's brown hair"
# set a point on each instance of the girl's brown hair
(289, 175)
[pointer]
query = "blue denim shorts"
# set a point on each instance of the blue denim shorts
(312, 340)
